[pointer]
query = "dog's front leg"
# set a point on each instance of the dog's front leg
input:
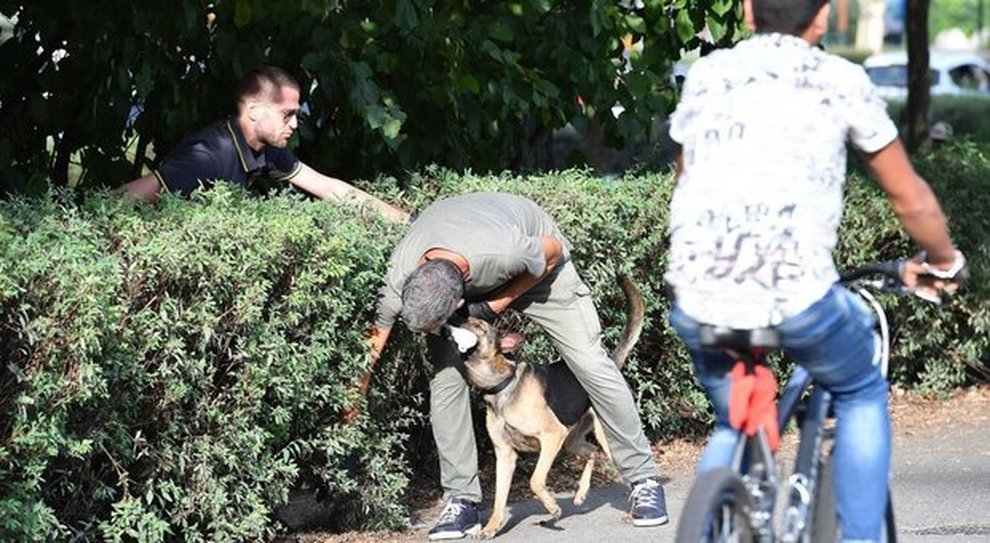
(505, 466)
(550, 444)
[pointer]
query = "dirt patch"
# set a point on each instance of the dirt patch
(916, 414)
(912, 414)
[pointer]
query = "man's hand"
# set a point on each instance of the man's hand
(930, 279)
(377, 339)
(350, 415)
(482, 310)
(144, 189)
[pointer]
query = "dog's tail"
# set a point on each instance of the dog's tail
(634, 324)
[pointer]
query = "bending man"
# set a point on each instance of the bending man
(491, 252)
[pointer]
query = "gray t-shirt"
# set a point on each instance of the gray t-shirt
(499, 235)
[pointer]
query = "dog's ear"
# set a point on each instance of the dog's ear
(509, 342)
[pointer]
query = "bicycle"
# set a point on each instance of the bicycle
(738, 503)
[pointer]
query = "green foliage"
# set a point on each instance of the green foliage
(934, 348)
(961, 14)
(171, 372)
(392, 84)
(966, 115)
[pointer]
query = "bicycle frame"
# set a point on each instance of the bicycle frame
(747, 490)
(755, 459)
(757, 462)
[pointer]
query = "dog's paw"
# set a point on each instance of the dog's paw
(487, 533)
(554, 511)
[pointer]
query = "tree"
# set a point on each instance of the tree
(919, 79)
(391, 84)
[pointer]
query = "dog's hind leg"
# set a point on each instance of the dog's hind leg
(600, 438)
(585, 482)
(551, 442)
(578, 444)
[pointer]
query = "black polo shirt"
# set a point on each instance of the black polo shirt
(219, 151)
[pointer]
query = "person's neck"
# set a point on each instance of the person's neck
(456, 259)
(811, 36)
(250, 136)
(808, 36)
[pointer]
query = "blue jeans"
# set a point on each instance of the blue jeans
(835, 341)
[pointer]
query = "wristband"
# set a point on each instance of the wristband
(957, 266)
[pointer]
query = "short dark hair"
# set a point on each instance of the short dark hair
(430, 294)
(785, 16)
(261, 81)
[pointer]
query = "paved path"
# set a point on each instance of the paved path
(940, 484)
(941, 488)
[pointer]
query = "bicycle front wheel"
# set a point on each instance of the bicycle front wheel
(718, 509)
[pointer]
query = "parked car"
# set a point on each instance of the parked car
(953, 73)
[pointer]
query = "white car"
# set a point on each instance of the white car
(952, 73)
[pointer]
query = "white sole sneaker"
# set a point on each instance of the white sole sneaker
(442, 536)
(647, 522)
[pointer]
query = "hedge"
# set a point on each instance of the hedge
(967, 115)
(172, 372)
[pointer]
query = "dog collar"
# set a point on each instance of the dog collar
(502, 385)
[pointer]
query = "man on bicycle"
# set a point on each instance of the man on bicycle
(763, 128)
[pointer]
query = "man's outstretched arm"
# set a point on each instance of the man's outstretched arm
(327, 188)
(144, 189)
(378, 338)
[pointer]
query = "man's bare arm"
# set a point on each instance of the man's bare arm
(377, 339)
(553, 251)
(145, 188)
(326, 188)
(914, 202)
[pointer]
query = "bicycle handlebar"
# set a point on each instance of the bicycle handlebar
(888, 274)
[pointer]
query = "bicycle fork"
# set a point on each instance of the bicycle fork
(754, 458)
(801, 485)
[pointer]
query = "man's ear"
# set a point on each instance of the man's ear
(748, 19)
(252, 110)
(510, 342)
(819, 25)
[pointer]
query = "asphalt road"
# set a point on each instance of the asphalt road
(940, 486)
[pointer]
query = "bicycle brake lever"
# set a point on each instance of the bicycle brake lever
(928, 295)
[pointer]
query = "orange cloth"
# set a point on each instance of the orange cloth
(753, 402)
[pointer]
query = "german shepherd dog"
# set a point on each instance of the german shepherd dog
(539, 408)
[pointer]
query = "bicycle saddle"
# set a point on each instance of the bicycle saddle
(723, 337)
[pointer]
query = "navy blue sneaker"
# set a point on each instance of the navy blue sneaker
(458, 519)
(649, 506)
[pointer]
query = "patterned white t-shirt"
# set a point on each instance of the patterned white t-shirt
(753, 219)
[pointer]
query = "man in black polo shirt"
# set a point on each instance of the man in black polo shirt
(248, 146)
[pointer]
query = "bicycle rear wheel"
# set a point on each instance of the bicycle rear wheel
(825, 520)
(718, 509)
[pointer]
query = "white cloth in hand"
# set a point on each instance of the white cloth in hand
(465, 339)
